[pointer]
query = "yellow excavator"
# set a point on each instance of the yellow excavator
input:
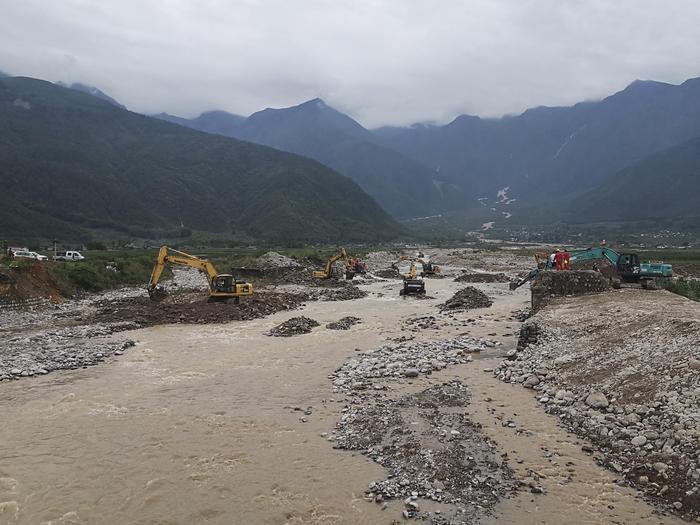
(327, 272)
(222, 287)
(428, 268)
(352, 266)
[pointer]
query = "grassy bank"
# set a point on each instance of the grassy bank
(689, 288)
(108, 269)
(102, 271)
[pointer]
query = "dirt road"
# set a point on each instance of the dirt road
(223, 424)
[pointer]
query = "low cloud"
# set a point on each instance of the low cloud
(382, 61)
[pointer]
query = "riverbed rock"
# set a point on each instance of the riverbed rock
(531, 381)
(597, 400)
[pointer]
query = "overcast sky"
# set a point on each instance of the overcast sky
(381, 61)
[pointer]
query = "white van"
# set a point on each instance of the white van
(68, 256)
(29, 255)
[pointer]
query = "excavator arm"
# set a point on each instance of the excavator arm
(182, 259)
(220, 286)
(158, 269)
(591, 254)
(514, 285)
(328, 270)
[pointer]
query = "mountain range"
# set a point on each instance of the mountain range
(502, 166)
(404, 187)
(556, 152)
(630, 156)
(72, 163)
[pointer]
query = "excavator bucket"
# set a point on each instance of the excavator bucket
(157, 294)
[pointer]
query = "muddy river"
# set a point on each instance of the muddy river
(223, 424)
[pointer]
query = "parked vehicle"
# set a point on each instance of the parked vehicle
(68, 256)
(12, 249)
(29, 255)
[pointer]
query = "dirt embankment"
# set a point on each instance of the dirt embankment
(28, 283)
(623, 370)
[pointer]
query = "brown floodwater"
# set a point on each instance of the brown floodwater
(207, 424)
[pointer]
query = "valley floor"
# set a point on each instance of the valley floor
(406, 415)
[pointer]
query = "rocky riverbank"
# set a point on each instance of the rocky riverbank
(622, 369)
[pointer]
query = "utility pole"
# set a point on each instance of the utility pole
(55, 242)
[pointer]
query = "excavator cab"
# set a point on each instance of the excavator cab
(224, 287)
(628, 267)
(223, 283)
(430, 268)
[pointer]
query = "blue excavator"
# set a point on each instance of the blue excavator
(628, 267)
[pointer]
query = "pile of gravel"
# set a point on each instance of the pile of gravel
(432, 450)
(466, 299)
(276, 260)
(405, 360)
(343, 324)
(64, 349)
(294, 326)
(425, 440)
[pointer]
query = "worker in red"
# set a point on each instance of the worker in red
(566, 260)
(559, 260)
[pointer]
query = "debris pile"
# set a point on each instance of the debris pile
(294, 326)
(482, 277)
(466, 299)
(276, 260)
(345, 293)
(625, 374)
(388, 273)
(193, 308)
(344, 324)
